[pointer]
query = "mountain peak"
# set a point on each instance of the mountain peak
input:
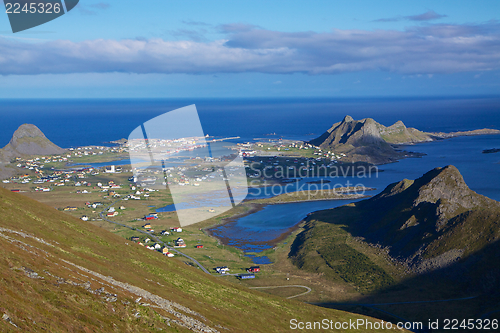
(347, 119)
(27, 130)
(439, 184)
(446, 185)
(30, 140)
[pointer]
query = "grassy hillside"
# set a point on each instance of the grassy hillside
(60, 274)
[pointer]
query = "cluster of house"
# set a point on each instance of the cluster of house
(149, 227)
(92, 151)
(245, 149)
(93, 205)
(166, 146)
(176, 176)
(137, 194)
(154, 247)
(60, 178)
(38, 163)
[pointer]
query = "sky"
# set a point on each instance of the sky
(243, 48)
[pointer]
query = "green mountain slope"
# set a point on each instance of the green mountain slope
(425, 224)
(61, 274)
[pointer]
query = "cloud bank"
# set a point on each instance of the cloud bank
(432, 49)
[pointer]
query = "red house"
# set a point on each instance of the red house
(253, 269)
(199, 246)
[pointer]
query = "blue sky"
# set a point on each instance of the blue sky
(236, 48)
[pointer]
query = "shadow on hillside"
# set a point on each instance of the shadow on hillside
(468, 289)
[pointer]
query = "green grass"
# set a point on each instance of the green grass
(61, 306)
(325, 248)
(310, 195)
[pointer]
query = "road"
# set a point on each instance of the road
(156, 239)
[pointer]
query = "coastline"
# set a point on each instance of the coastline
(256, 207)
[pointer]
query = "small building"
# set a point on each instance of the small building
(165, 233)
(222, 269)
(147, 226)
(253, 269)
(134, 239)
(180, 243)
(199, 246)
(70, 208)
(167, 252)
(84, 218)
(176, 229)
(246, 276)
(147, 240)
(150, 217)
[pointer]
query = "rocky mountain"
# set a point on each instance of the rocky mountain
(60, 274)
(29, 140)
(425, 224)
(368, 141)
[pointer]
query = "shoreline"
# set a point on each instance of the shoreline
(257, 207)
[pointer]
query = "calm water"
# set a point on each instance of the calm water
(74, 122)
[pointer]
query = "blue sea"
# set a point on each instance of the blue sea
(77, 122)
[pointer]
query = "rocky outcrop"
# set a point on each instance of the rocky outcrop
(427, 223)
(366, 140)
(360, 139)
(29, 140)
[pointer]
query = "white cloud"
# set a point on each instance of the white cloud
(418, 50)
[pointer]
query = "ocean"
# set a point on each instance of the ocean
(77, 122)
